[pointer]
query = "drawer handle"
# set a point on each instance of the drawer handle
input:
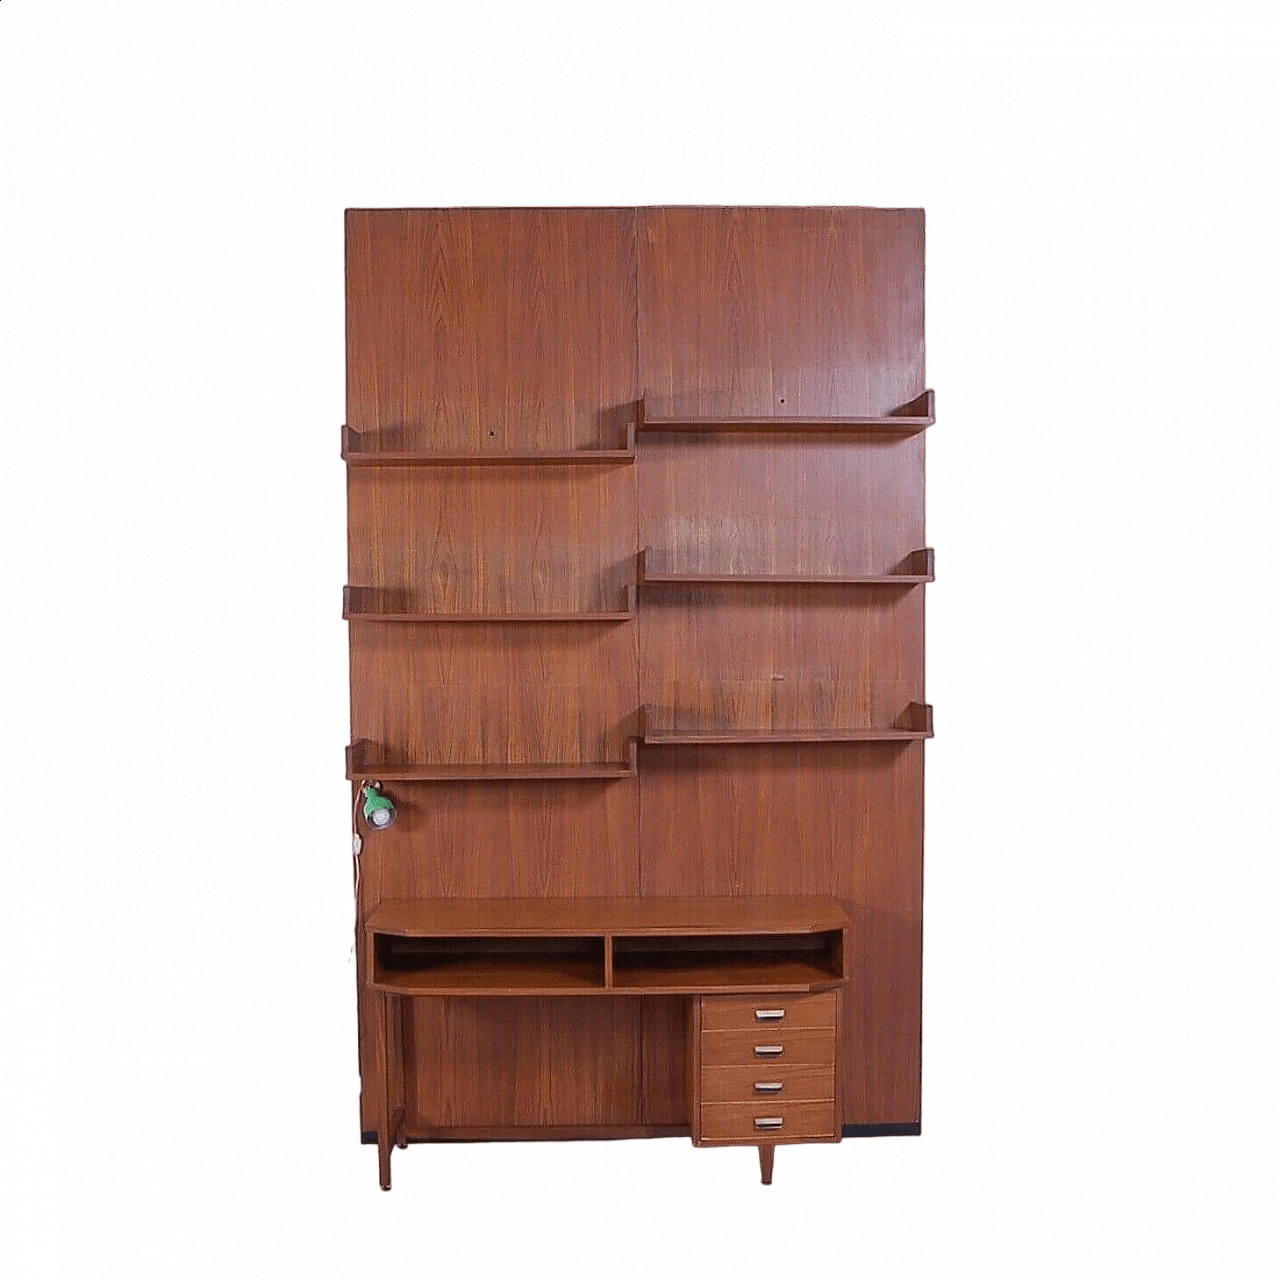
(770, 1015)
(768, 1122)
(768, 1086)
(768, 1051)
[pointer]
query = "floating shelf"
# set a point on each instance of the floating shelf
(604, 946)
(907, 420)
(915, 724)
(360, 766)
(356, 453)
(373, 604)
(918, 567)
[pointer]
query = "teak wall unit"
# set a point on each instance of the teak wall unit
(636, 601)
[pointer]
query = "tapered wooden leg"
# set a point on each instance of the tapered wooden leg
(766, 1165)
(384, 1160)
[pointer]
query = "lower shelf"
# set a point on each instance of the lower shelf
(752, 962)
(363, 762)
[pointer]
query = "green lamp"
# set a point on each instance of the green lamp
(379, 812)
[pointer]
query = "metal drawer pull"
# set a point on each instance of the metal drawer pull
(768, 1051)
(768, 1086)
(770, 1015)
(768, 1122)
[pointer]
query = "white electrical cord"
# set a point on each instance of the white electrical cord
(357, 844)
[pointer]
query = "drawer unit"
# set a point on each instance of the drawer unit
(758, 1122)
(768, 1081)
(752, 1013)
(806, 1046)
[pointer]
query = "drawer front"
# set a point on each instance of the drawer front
(746, 1013)
(768, 1122)
(769, 1082)
(805, 1047)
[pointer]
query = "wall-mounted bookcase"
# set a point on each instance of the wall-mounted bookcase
(635, 530)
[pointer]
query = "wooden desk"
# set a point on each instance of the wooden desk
(753, 949)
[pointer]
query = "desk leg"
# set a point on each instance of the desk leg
(382, 1042)
(766, 1165)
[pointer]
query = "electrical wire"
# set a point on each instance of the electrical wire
(355, 830)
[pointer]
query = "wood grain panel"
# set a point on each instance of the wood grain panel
(524, 1062)
(492, 539)
(849, 820)
(519, 839)
(493, 693)
(803, 506)
(491, 330)
(775, 311)
(784, 657)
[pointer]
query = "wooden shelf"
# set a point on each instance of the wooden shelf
(605, 946)
(372, 604)
(594, 917)
(694, 973)
(915, 724)
(918, 567)
(360, 766)
(357, 452)
(907, 420)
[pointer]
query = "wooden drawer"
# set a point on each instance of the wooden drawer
(760, 1085)
(810, 1047)
(757, 1121)
(744, 1013)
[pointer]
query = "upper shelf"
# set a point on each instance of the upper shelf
(359, 766)
(373, 604)
(594, 917)
(907, 420)
(917, 567)
(357, 453)
(914, 725)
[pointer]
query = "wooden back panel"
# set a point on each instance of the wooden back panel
(510, 331)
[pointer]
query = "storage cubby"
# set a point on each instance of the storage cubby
(489, 966)
(743, 962)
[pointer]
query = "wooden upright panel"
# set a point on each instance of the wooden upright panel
(491, 330)
(498, 332)
(791, 314)
(614, 459)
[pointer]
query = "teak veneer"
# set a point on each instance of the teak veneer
(636, 527)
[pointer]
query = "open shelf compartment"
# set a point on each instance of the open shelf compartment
(906, 420)
(376, 604)
(361, 449)
(917, 567)
(478, 966)
(696, 963)
(913, 725)
(606, 946)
